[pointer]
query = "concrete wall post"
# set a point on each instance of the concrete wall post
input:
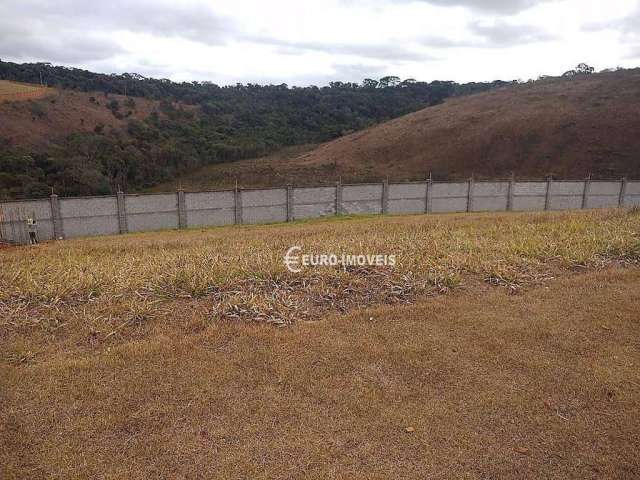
(547, 196)
(338, 207)
(428, 195)
(510, 190)
(182, 209)
(289, 203)
(56, 217)
(623, 192)
(237, 206)
(470, 194)
(385, 197)
(122, 212)
(585, 192)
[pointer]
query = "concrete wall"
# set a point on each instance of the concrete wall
(264, 206)
(566, 195)
(603, 194)
(529, 196)
(407, 198)
(314, 202)
(209, 208)
(361, 199)
(99, 215)
(82, 217)
(19, 211)
(449, 197)
(490, 196)
(151, 212)
(632, 196)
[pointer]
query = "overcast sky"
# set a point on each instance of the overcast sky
(301, 43)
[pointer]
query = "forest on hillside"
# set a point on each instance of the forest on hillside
(197, 124)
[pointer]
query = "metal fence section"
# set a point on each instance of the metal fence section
(59, 218)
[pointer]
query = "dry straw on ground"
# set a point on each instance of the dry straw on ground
(152, 356)
(240, 273)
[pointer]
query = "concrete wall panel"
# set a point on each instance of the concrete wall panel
(603, 201)
(144, 222)
(90, 226)
(262, 198)
(310, 196)
(633, 188)
(631, 200)
(209, 200)
(165, 202)
(566, 202)
(151, 212)
(605, 188)
(209, 208)
(401, 191)
(269, 214)
(490, 189)
(40, 208)
(83, 217)
(362, 207)
(567, 188)
(314, 210)
(527, 204)
(442, 190)
(210, 217)
(416, 205)
(442, 205)
(489, 204)
(530, 189)
(352, 193)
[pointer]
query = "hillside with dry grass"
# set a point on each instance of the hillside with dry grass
(54, 114)
(492, 349)
(12, 91)
(567, 127)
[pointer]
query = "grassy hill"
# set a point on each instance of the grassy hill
(10, 91)
(565, 127)
(50, 118)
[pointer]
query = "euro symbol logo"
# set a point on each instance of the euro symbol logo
(292, 259)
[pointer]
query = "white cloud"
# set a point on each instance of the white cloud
(294, 42)
(490, 6)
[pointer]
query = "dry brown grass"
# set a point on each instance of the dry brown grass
(474, 385)
(12, 91)
(279, 169)
(65, 113)
(150, 355)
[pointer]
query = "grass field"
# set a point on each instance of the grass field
(21, 91)
(501, 346)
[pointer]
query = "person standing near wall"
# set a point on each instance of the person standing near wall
(32, 228)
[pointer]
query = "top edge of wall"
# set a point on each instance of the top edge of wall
(378, 184)
(324, 185)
